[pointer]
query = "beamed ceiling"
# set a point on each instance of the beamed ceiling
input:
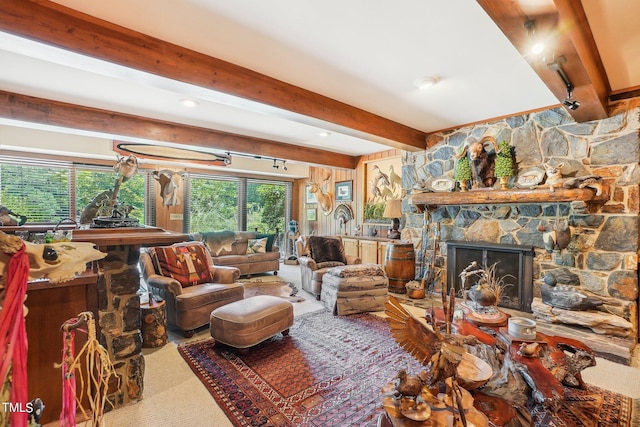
(271, 76)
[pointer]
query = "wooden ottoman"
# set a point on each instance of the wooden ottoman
(247, 322)
(351, 289)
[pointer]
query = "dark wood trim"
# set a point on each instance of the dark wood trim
(619, 95)
(573, 40)
(56, 25)
(55, 113)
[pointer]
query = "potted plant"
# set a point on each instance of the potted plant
(462, 172)
(504, 164)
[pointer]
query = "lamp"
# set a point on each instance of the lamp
(393, 210)
(537, 43)
(556, 66)
(257, 157)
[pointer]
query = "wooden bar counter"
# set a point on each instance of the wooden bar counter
(118, 314)
(49, 307)
(109, 290)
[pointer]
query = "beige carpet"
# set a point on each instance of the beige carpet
(271, 285)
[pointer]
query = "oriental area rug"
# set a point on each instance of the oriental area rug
(329, 372)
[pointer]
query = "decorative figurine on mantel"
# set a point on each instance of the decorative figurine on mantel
(504, 164)
(462, 173)
(481, 161)
(555, 179)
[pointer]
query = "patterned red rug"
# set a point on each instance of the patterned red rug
(329, 372)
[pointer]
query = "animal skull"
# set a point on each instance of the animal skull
(58, 262)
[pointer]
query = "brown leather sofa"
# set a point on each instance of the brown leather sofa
(229, 248)
(193, 294)
(316, 255)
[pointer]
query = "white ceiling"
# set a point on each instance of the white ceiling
(366, 53)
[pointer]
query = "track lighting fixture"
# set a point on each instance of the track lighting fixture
(275, 160)
(568, 102)
(537, 43)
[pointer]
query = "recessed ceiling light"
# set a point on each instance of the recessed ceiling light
(189, 103)
(324, 134)
(425, 82)
(537, 48)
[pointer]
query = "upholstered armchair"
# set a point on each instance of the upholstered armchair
(184, 276)
(316, 255)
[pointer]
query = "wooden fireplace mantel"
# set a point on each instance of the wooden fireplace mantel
(492, 197)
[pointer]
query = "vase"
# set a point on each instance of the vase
(463, 184)
(504, 180)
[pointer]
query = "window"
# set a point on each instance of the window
(213, 204)
(47, 191)
(266, 203)
(92, 181)
(40, 191)
(217, 203)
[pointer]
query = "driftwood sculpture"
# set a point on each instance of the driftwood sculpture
(448, 366)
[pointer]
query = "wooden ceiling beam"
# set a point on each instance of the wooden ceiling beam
(57, 25)
(569, 34)
(48, 112)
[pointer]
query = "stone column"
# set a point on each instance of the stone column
(119, 320)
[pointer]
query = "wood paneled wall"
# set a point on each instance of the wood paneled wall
(328, 224)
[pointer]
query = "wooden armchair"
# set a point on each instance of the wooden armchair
(185, 277)
(316, 255)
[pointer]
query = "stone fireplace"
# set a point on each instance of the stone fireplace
(601, 257)
(514, 263)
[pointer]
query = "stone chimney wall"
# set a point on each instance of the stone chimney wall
(602, 257)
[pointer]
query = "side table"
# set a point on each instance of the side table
(154, 324)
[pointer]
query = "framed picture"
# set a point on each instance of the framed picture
(343, 191)
(309, 196)
(311, 214)
(383, 178)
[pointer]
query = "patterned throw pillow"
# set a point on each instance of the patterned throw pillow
(270, 240)
(257, 246)
(187, 263)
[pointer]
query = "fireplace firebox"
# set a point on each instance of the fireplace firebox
(513, 262)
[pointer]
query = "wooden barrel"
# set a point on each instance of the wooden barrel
(399, 265)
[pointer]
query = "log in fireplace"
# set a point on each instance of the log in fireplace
(514, 264)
